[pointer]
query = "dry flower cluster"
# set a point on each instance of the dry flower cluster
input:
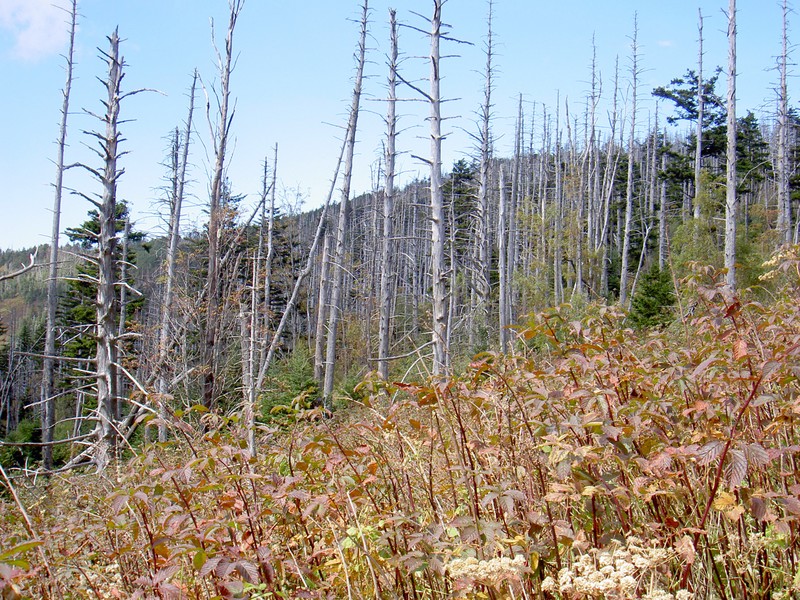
(492, 573)
(616, 573)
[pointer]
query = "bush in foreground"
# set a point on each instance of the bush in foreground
(606, 464)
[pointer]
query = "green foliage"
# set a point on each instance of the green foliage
(78, 307)
(21, 456)
(653, 301)
(291, 384)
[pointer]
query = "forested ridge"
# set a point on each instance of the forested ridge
(571, 372)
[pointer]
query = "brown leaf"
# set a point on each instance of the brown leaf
(684, 548)
(757, 456)
(736, 469)
(792, 505)
(739, 349)
(701, 368)
(735, 513)
(758, 508)
(710, 452)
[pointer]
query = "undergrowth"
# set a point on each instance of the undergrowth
(599, 463)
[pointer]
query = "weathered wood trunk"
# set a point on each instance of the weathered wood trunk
(437, 216)
(49, 363)
(386, 272)
(106, 314)
(731, 198)
(220, 139)
(340, 248)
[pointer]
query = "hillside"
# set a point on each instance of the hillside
(596, 462)
(562, 366)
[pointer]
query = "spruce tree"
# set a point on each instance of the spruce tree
(652, 304)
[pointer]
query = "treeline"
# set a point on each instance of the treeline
(266, 307)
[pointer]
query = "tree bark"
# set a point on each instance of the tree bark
(502, 243)
(344, 206)
(180, 158)
(731, 198)
(387, 275)
(122, 316)
(48, 363)
(106, 322)
(784, 197)
(220, 136)
(698, 152)
(663, 239)
(437, 216)
(483, 280)
(323, 308)
(626, 239)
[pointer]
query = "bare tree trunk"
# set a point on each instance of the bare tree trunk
(502, 242)
(48, 363)
(731, 199)
(387, 275)
(323, 308)
(698, 152)
(483, 286)
(784, 197)
(558, 224)
(339, 251)
(180, 158)
(593, 151)
(513, 206)
(270, 250)
(438, 270)
(105, 353)
(250, 331)
(301, 277)
(663, 239)
(220, 136)
(609, 177)
(122, 318)
(626, 240)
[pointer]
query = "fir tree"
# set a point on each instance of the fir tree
(652, 304)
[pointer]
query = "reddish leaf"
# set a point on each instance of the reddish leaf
(736, 469)
(739, 349)
(701, 368)
(710, 452)
(758, 508)
(792, 505)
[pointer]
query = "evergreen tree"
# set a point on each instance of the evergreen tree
(653, 301)
(78, 306)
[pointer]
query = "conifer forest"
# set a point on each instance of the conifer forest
(567, 372)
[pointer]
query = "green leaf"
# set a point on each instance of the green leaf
(200, 558)
(19, 549)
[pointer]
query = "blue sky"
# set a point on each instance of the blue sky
(293, 81)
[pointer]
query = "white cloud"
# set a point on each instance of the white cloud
(661, 43)
(38, 27)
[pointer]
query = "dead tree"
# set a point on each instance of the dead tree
(179, 159)
(441, 325)
(483, 281)
(626, 239)
(731, 198)
(502, 243)
(220, 134)
(341, 231)
(23, 269)
(387, 274)
(784, 196)
(107, 430)
(301, 276)
(49, 361)
(698, 152)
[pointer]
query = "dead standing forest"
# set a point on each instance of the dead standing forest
(568, 372)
